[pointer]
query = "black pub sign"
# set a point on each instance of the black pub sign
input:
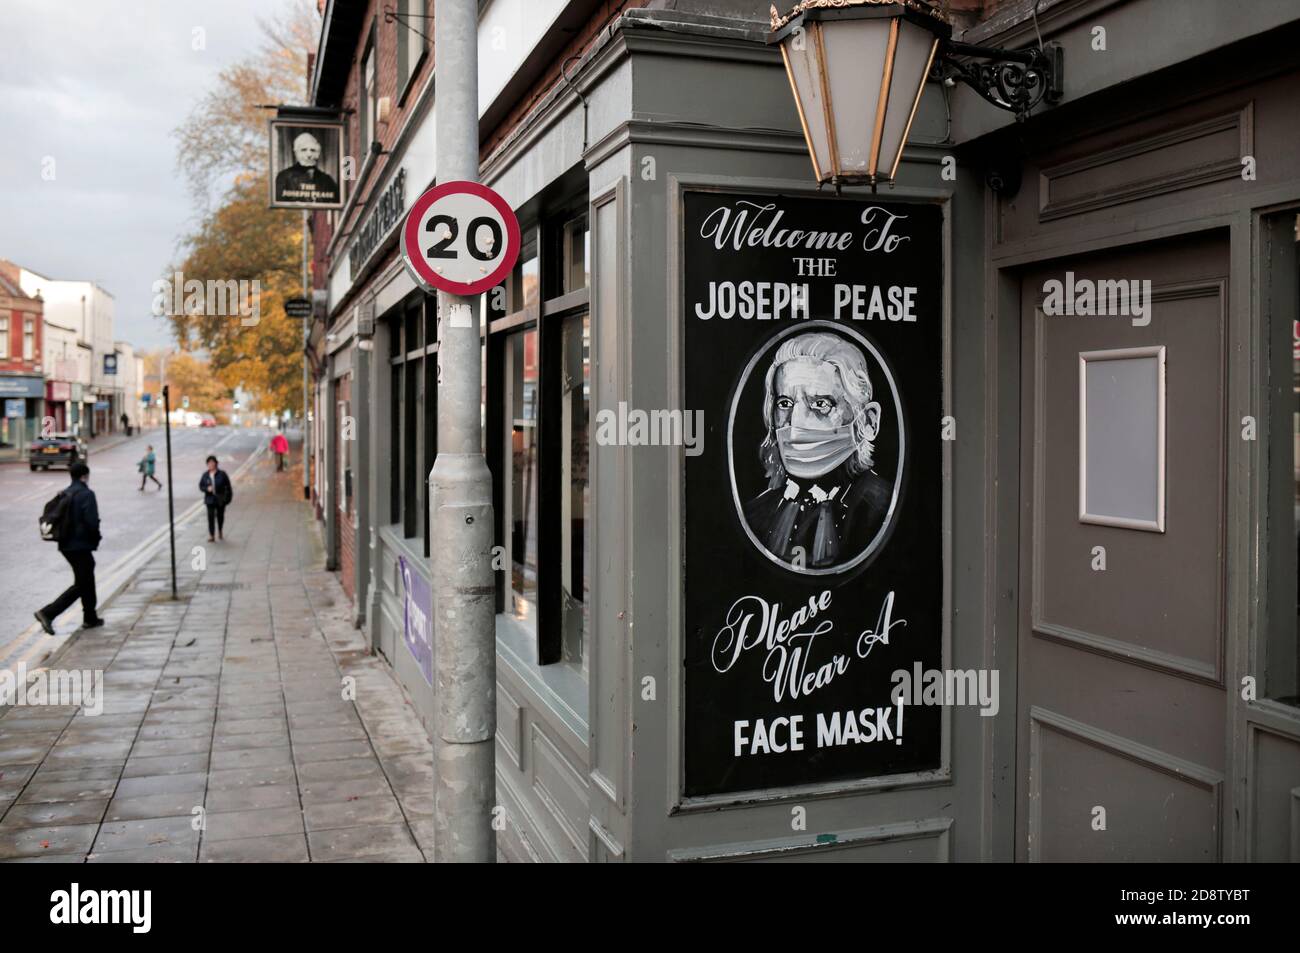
(813, 534)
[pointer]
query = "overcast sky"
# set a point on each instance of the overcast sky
(98, 86)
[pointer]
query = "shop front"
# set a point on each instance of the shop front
(58, 403)
(22, 397)
(837, 523)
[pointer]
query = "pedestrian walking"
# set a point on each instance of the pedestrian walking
(146, 467)
(72, 518)
(126, 425)
(280, 447)
(217, 494)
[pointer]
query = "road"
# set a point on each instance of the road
(32, 570)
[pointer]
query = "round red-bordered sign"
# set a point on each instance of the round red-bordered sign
(453, 236)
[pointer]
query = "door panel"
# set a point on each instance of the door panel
(1121, 705)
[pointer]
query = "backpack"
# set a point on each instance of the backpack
(56, 518)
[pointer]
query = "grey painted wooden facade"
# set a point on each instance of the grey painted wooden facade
(589, 766)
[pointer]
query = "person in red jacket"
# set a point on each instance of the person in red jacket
(280, 447)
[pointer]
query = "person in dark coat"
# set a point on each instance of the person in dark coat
(78, 540)
(217, 495)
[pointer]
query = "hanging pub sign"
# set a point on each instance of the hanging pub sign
(813, 534)
(306, 162)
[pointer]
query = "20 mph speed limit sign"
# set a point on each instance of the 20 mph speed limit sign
(461, 238)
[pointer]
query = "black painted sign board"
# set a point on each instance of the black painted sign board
(813, 532)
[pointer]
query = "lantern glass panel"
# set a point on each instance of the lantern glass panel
(802, 63)
(856, 57)
(912, 57)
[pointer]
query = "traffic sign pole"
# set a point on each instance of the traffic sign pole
(461, 238)
(171, 504)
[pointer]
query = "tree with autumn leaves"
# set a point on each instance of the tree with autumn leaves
(222, 153)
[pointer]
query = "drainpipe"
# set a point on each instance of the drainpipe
(306, 342)
(460, 501)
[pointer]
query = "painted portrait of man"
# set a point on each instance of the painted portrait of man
(824, 503)
(306, 181)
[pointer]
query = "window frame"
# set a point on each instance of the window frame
(414, 413)
(407, 37)
(549, 235)
(367, 100)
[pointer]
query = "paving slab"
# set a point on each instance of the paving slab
(253, 798)
(54, 813)
(35, 841)
(264, 822)
(278, 849)
(229, 699)
(370, 841)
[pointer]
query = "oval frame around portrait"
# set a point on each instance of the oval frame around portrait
(767, 347)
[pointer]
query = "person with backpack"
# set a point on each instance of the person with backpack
(146, 468)
(72, 520)
(217, 495)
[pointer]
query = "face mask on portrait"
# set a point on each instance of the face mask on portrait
(811, 453)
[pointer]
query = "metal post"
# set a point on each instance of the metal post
(171, 505)
(460, 500)
(306, 387)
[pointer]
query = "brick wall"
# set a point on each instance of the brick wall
(16, 307)
(386, 36)
(581, 42)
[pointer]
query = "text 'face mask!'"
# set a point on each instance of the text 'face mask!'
(811, 453)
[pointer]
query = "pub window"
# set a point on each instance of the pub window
(537, 375)
(429, 430)
(412, 424)
(395, 435)
(29, 339)
(344, 406)
(4, 337)
(368, 104)
(526, 282)
(521, 452)
(575, 501)
(411, 28)
(577, 255)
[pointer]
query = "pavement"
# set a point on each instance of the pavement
(244, 721)
(132, 522)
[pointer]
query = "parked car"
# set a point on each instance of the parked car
(208, 421)
(193, 419)
(56, 450)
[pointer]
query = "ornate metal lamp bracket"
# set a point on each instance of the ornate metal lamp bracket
(1014, 80)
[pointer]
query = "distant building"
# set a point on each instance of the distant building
(130, 384)
(86, 310)
(22, 386)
